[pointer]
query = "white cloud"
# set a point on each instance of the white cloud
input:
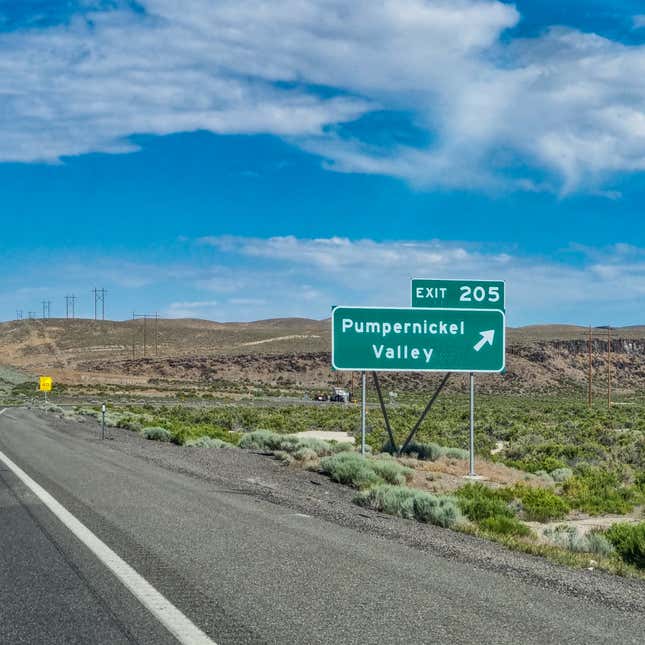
(603, 286)
(193, 309)
(243, 278)
(568, 103)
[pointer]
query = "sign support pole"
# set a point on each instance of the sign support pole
(472, 426)
(363, 411)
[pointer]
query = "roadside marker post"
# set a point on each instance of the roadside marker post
(103, 421)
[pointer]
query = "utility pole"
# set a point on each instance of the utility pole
(609, 368)
(156, 333)
(145, 318)
(589, 392)
(46, 309)
(99, 298)
(18, 314)
(32, 315)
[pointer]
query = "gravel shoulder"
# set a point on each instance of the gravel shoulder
(311, 493)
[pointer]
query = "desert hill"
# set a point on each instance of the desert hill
(289, 352)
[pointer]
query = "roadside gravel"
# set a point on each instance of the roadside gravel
(311, 493)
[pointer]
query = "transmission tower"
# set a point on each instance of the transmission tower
(46, 309)
(99, 299)
(70, 306)
(18, 314)
(145, 318)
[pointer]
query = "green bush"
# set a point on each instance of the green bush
(350, 469)
(504, 525)
(567, 537)
(207, 442)
(272, 441)
(391, 471)
(479, 502)
(560, 475)
(595, 491)
(411, 504)
(424, 451)
(305, 454)
(157, 434)
(541, 504)
(629, 542)
(429, 451)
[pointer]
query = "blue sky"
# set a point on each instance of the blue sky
(238, 160)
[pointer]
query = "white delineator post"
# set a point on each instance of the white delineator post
(363, 412)
(472, 426)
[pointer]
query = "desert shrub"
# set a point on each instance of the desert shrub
(207, 442)
(455, 453)
(391, 471)
(261, 440)
(291, 443)
(349, 468)
(410, 504)
(436, 509)
(157, 434)
(52, 407)
(595, 491)
(504, 525)
(130, 423)
(629, 542)
(567, 537)
(541, 504)
(479, 502)
(393, 500)
(283, 456)
(305, 454)
(429, 451)
(560, 475)
(424, 451)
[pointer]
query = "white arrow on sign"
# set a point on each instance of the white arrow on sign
(487, 337)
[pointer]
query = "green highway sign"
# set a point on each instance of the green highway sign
(467, 294)
(415, 339)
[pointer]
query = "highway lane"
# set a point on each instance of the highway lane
(245, 570)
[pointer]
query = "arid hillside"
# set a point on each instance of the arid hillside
(292, 353)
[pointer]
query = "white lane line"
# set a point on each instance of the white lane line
(3, 410)
(162, 609)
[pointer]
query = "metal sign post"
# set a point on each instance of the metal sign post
(471, 472)
(363, 412)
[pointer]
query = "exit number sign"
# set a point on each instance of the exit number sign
(459, 294)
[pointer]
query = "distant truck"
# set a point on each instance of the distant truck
(338, 395)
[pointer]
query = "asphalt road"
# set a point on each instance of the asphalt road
(242, 569)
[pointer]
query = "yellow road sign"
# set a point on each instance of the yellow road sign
(45, 384)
